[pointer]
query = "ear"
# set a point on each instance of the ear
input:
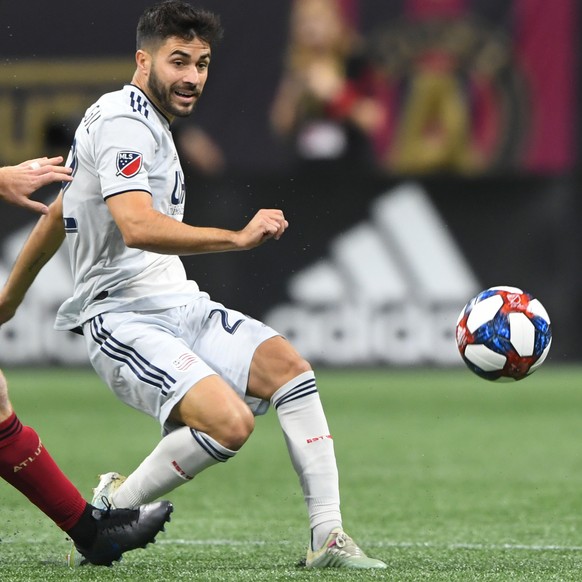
(143, 61)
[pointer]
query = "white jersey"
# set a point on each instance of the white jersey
(122, 144)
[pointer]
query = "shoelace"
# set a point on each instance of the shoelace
(101, 513)
(343, 544)
(116, 520)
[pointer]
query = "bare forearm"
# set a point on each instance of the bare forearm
(144, 228)
(165, 235)
(42, 243)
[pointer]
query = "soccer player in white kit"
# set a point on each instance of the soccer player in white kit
(162, 345)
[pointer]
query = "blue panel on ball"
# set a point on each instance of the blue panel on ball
(495, 334)
(484, 333)
(484, 294)
(540, 324)
(501, 325)
(543, 335)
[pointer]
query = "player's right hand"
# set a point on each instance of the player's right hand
(17, 183)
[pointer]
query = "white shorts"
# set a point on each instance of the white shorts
(150, 359)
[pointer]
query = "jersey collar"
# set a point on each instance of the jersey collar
(158, 110)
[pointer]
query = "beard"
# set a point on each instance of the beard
(163, 96)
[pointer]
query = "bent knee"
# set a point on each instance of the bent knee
(290, 366)
(234, 432)
(276, 362)
(299, 366)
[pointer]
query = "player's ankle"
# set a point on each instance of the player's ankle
(84, 531)
(321, 532)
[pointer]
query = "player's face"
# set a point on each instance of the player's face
(177, 75)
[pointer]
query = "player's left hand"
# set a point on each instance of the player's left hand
(267, 223)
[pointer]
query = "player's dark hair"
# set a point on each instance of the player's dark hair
(180, 19)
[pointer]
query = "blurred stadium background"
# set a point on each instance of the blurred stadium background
(470, 179)
(474, 180)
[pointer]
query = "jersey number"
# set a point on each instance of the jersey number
(224, 318)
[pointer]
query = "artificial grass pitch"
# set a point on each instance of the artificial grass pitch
(443, 475)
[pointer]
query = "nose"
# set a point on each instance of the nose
(192, 76)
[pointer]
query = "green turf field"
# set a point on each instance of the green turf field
(444, 476)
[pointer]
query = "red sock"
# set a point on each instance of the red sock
(28, 466)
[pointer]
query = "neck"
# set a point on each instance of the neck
(138, 81)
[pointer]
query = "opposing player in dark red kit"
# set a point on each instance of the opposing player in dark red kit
(101, 536)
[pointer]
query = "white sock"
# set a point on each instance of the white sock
(311, 449)
(178, 458)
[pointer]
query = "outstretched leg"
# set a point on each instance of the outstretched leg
(101, 537)
(27, 465)
(217, 423)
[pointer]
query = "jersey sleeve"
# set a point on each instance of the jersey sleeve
(124, 152)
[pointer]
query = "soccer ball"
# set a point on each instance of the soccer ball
(504, 334)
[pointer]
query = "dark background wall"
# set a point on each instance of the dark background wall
(245, 68)
(517, 227)
(511, 231)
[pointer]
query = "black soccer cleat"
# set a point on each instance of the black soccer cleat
(121, 530)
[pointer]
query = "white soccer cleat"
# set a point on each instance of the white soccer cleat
(340, 551)
(108, 484)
